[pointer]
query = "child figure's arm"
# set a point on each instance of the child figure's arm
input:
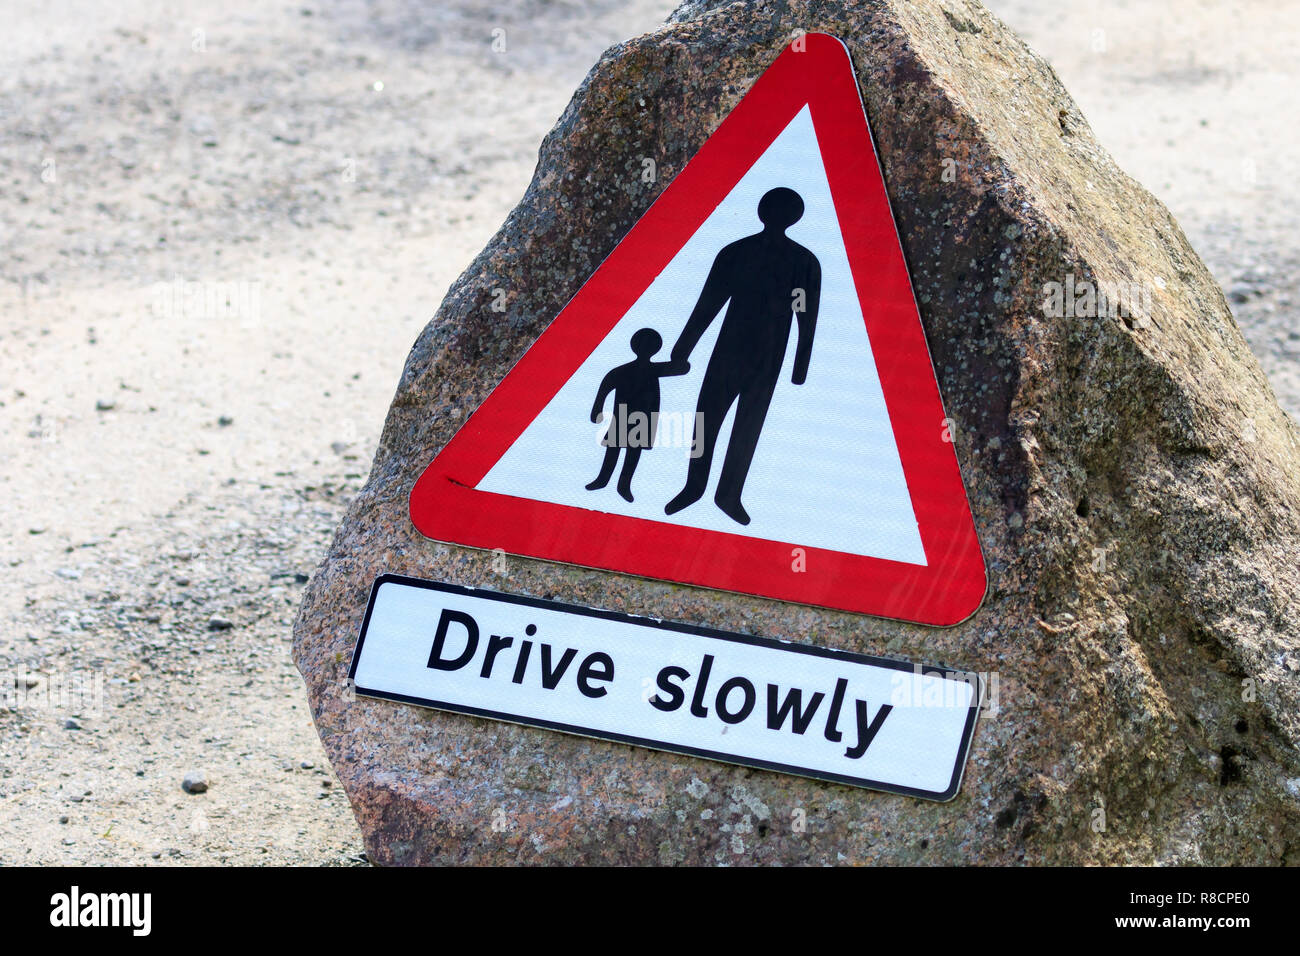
(664, 369)
(606, 386)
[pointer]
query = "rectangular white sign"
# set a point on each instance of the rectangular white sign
(795, 708)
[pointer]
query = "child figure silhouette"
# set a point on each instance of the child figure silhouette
(636, 409)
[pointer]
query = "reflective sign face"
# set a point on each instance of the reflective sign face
(741, 396)
(874, 723)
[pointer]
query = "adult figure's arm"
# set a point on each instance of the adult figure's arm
(807, 319)
(714, 295)
(606, 386)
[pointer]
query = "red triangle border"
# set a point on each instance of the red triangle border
(445, 506)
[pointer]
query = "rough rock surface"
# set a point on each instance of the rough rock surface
(1135, 486)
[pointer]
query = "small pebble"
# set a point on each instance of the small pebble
(219, 624)
(195, 782)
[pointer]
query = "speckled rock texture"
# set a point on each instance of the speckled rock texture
(1135, 486)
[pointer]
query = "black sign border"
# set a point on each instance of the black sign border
(963, 752)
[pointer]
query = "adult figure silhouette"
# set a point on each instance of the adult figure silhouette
(767, 281)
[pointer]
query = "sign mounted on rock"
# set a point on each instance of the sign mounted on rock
(795, 708)
(796, 386)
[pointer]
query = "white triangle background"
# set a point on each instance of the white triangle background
(826, 473)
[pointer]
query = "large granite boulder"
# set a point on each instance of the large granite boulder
(1135, 486)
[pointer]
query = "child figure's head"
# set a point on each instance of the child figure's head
(645, 343)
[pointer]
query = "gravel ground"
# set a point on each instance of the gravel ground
(221, 227)
(176, 463)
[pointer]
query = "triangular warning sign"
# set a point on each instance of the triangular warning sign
(741, 396)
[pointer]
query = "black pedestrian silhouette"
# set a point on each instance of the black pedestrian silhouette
(636, 409)
(769, 280)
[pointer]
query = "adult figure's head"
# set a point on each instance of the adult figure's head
(780, 208)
